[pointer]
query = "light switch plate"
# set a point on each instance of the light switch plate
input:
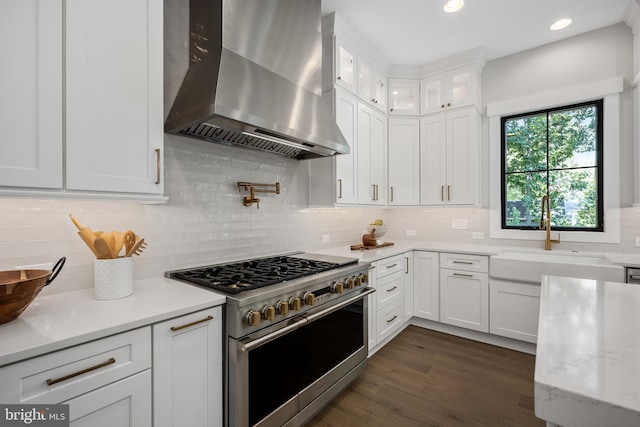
(477, 235)
(326, 238)
(637, 242)
(459, 223)
(411, 232)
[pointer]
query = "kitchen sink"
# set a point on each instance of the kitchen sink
(530, 266)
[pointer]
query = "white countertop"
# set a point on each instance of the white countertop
(588, 355)
(58, 321)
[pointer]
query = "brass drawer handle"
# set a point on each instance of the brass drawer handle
(392, 265)
(111, 361)
(157, 166)
(392, 319)
(177, 328)
(463, 262)
(463, 275)
(392, 289)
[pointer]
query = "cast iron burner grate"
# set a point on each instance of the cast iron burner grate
(245, 275)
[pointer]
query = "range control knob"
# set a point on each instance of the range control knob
(294, 303)
(336, 287)
(282, 308)
(364, 278)
(350, 283)
(268, 312)
(308, 298)
(253, 318)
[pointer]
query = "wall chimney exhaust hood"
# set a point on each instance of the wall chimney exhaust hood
(249, 73)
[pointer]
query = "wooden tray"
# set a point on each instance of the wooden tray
(361, 247)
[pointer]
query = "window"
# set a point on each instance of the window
(557, 152)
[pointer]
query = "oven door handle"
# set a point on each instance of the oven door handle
(300, 322)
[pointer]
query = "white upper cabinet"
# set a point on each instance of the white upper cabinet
(448, 90)
(31, 87)
(82, 114)
(449, 158)
(404, 97)
(372, 86)
(372, 147)
(404, 161)
(346, 113)
(114, 118)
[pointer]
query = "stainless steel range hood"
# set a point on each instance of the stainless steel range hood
(251, 75)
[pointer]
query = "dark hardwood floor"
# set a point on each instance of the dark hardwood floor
(427, 378)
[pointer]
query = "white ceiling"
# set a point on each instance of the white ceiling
(416, 32)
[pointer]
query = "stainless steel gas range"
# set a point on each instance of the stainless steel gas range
(296, 333)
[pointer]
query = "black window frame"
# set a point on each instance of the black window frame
(599, 104)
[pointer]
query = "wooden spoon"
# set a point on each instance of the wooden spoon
(119, 242)
(129, 241)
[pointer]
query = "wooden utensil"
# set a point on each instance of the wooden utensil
(137, 247)
(87, 236)
(102, 248)
(119, 242)
(111, 241)
(129, 241)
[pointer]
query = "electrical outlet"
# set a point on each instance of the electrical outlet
(411, 232)
(326, 238)
(459, 223)
(477, 235)
(637, 242)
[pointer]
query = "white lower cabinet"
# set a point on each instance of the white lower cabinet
(106, 382)
(514, 310)
(187, 370)
(464, 292)
(426, 285)
(386, 304)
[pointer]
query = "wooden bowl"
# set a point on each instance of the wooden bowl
(18, 289)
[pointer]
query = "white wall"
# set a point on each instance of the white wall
(205, 221)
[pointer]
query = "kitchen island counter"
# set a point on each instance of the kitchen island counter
(588, 354)
(57, 321)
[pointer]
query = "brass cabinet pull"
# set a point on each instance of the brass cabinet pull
(177, 328)
(448, 193)
(392, 265)
(463, 275)
(392, 319)
(157, 166)
(376, 191)
(340, 188)
(462, 262)
(442, 193)
(111, 361)
(407, 270)
(392, 289)
(391, 191)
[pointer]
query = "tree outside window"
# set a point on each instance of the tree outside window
(556, 152)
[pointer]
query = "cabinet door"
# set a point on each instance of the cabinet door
(403, 97)
(114, 117)
(404, 161)
(187, 370)
(514, 310)
(379, 91)
(371, 137)
(426, 285)
(346, 110)
(432, 94)
(433, 159)
(464, 299)
(407, 286)
(461, 87)
(31, 87)
(463, 133)
(345, 64)
(123, 403)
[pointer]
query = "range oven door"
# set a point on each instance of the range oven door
(273, 377)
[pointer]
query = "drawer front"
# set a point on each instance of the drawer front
(64, 374)
(477, 263)
(389, 320)
(390, 265)
(388, 290)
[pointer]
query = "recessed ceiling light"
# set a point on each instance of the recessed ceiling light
(453, 5)
(560, 24)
